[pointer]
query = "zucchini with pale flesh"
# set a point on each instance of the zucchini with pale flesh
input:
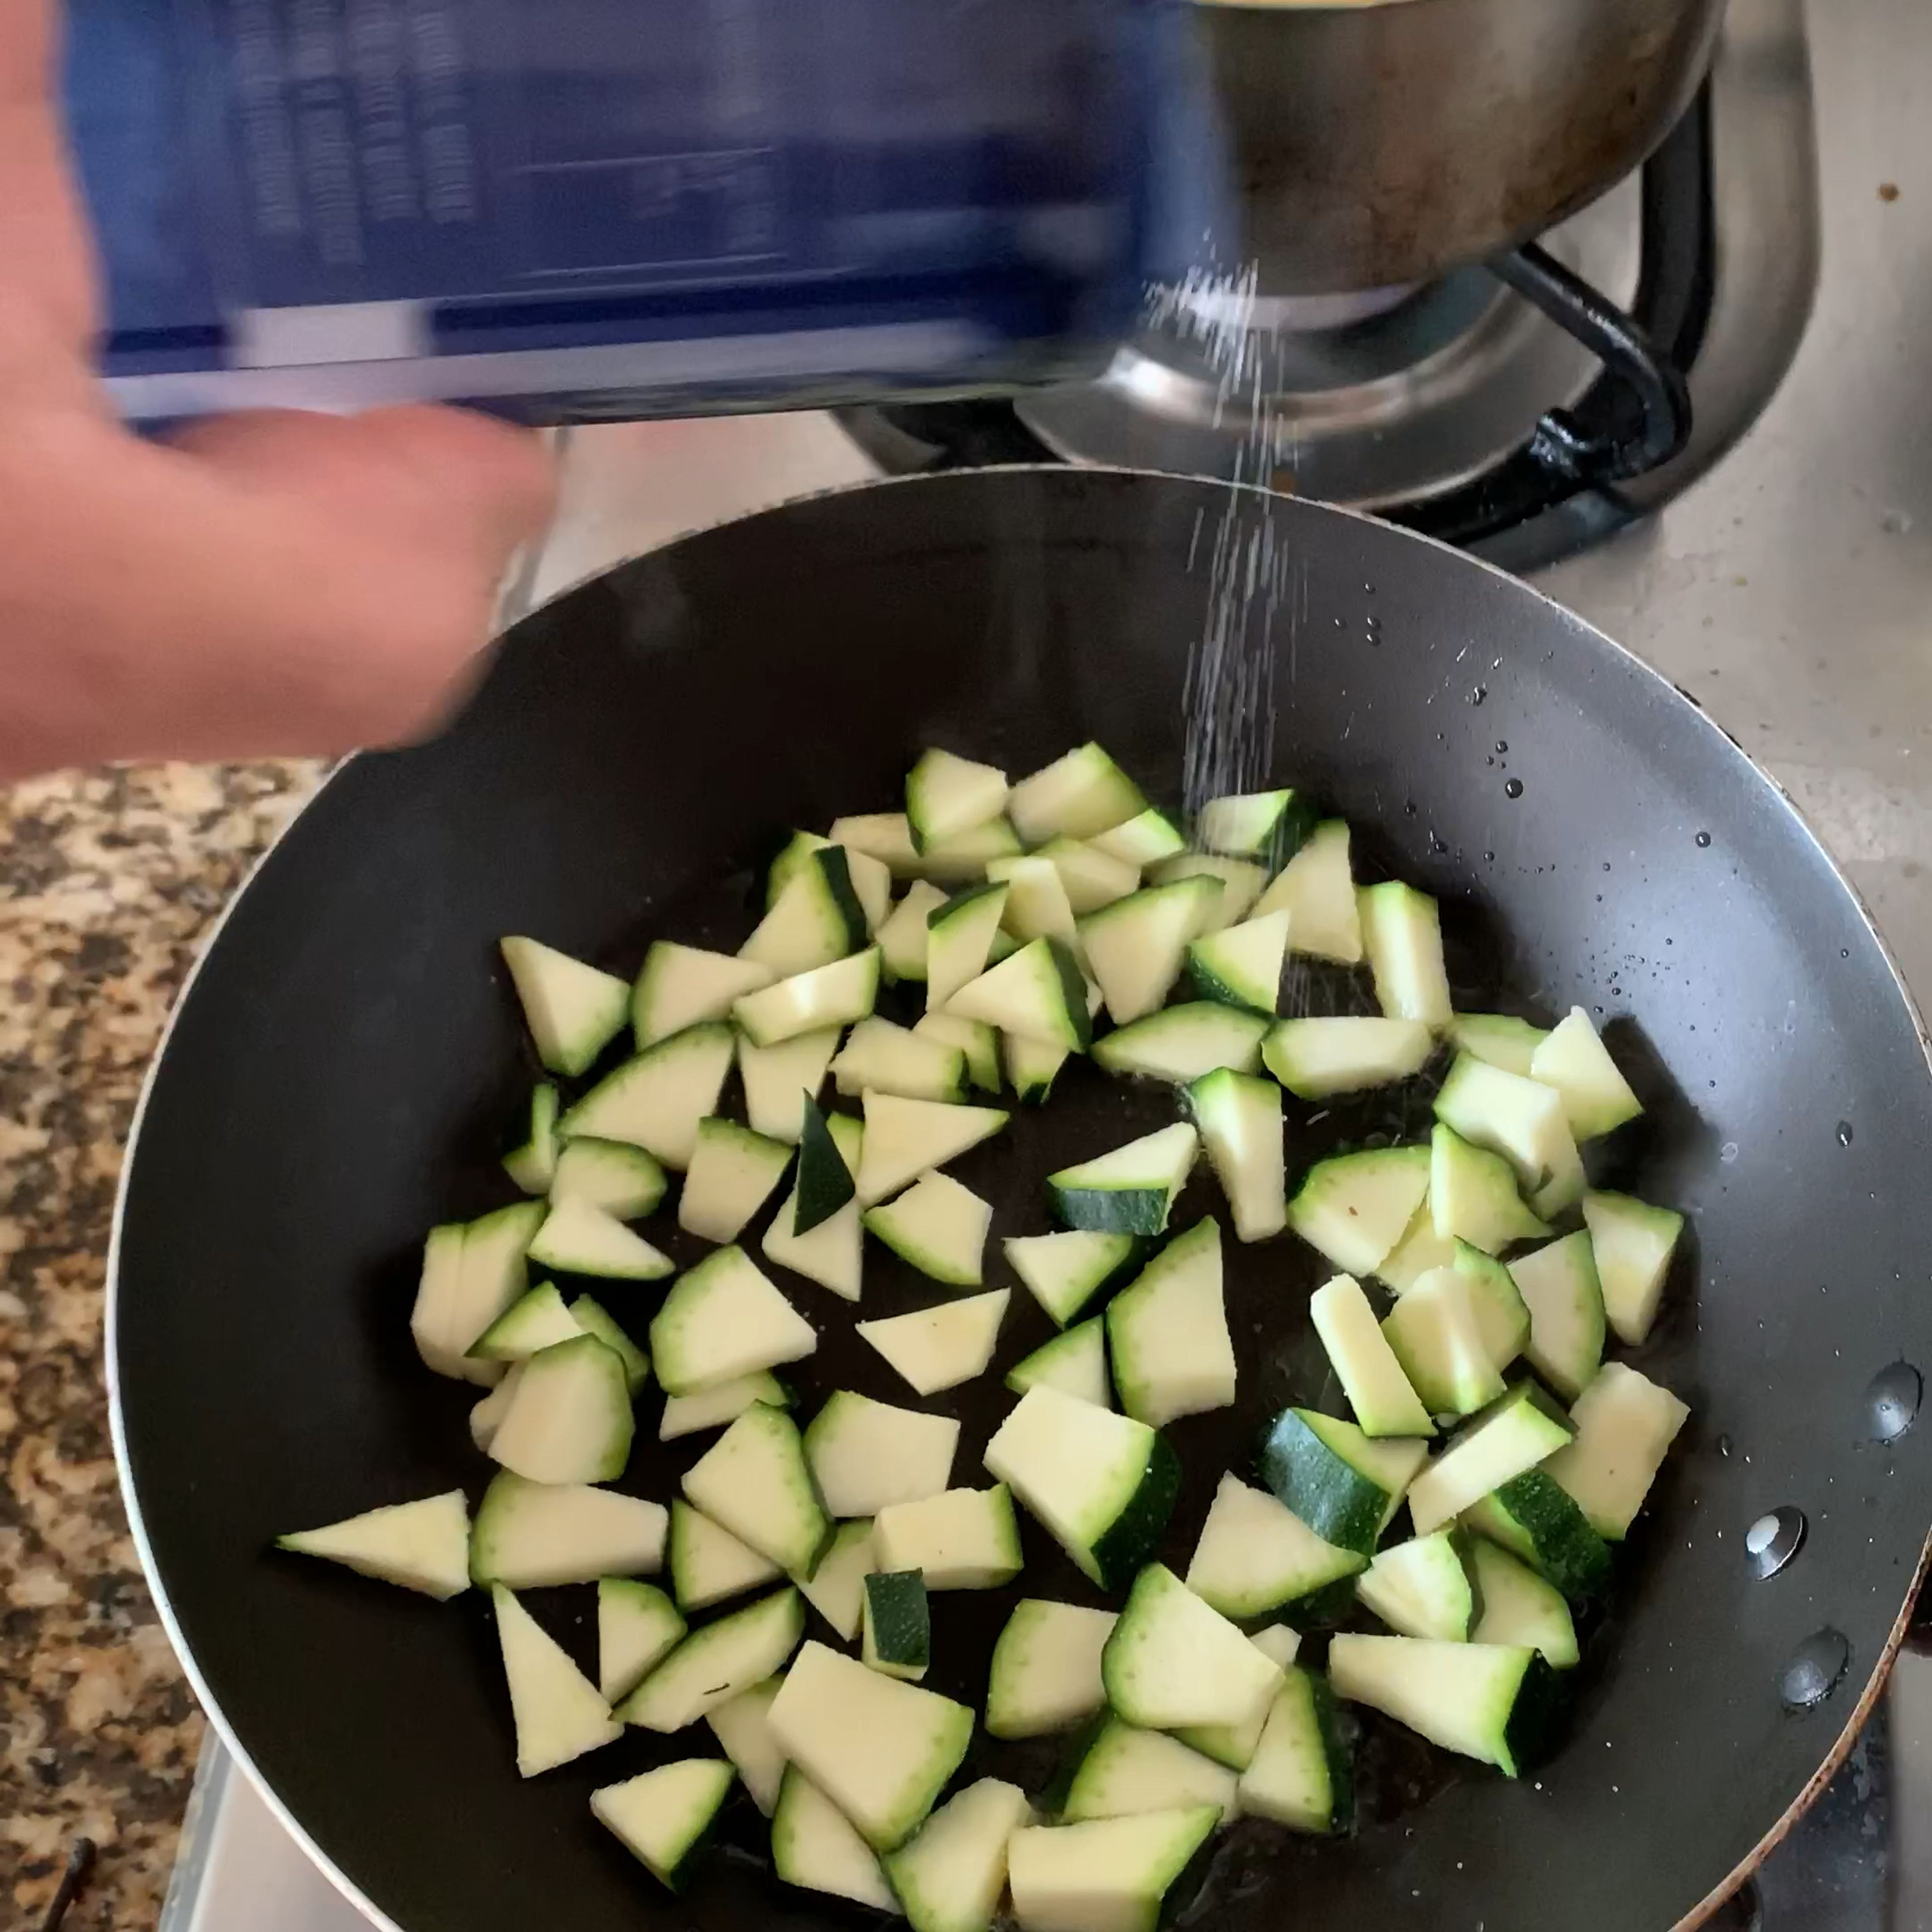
(1093, 878)
(743, 1727)
(723, 1319)
(1240, 1118)
(1234, 1745)
(1519, 1607)
(1075, 1363)
(865, 1455)
(895, 1625)
(715, 1663)
(1280, 1643)
(939, 1348)
(1241, 965)
(1045, 1672)
(1499, 1038)
(1172, 1660)
(1633, 1242)
(882, 1751)
(1371, 1376)
(488, 1413)
(963, 858)
(1425, 1587)
(1065, 1271)
(1517, 1117)
(1167, 1332)
(1180, 1043)
(904, 1138)
(836, 1588)
(580, 1239)
(832, 995)
(1102, 1485)
(1255, 1557)
(570, 1419)
(778, 1080)
(890, 1059)
(902, 939)
(1037, 993)
(591, 1316)
(532, 1163)
(959, 1539)
(1078, 795)
(1473, 1197)
(1145, 839)
(1597, 1098)
(1535, 1518)
(937, 1225)
(1136, 946)
(556, 1709)
(950, 1874)
(946, 794)
(1499, 1305)
(1037, 906)
(1105, 1874)
(975, 1039)
(712, 1408)
(573, 1011)
(533, 1536)
(832, 1252)
(681, 986)
(708, 1564)
(1500, 1705)
(423, 1545)
(1120, 1770)
(637, 1626)
(1314, 1059)
(959, 937)
(1299, 1774)
(1437, 1334)
(1344, 1486)
(1130, 1191)
(534, 1321)
(1420, 1252)
(882, 836)
(816, 918)
(1559, 1287)
(1317, 890)
(1511, 1436)
(622, 1180)
(473, 1273)
(1032, 1067)
(1625, 1424)
(732, 1173)
(663, 1817)
(1240, 880)
(1253, 825)
(1401, 934)
(1354, 1208)
(814, 1847)
(655, 1100)
(754, 1481)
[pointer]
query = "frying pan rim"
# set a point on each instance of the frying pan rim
(137, 1527)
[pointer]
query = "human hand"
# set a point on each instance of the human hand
(270, 583)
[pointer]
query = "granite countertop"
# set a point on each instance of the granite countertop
(109, 881)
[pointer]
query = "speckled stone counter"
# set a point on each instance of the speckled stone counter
(108, 882)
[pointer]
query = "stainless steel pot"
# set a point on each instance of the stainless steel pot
(1382, 145)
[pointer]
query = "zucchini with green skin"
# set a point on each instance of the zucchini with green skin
(1401, 934)
(743, 1727)
(1239, 1118)
(778, 1080)
(1473, 1197)
(866, 1455)
(959, 938)
(832, 1252)
(534, 1321)
(422, 1545)
(1499, 1303)
(573, 1011)
(1253, 825)
(1172, 1660)
(959, 1539)
(1498, 1038)
(1511, 1115)
(1509, 1438)
(963, 858)
(1354, 1207)
(1633, 1242)
(974, 1038)
(556, 1709)
(1317, 890)
(723, 1319)
(816, 919)
(888, 1059)
(902, 939)
(1075, 1363)
(570, 1419)
(531, 1536)
(946, 794)
(1559, 1287)
(1092, 878)
(1343, 1485)
(895, 1626)
(580, 1239)
(1037, 993)
(1420, 1251)
(717, 1663)
(1078, 795)
(1241, 965)
(1535, 1518)
(532, 1163)
(937, 1225)
(721, 1402)
(755, 1482)
(1143, 840)
(708, 1564)
(904, 1138)
(1519, 1607)
(681, 986)
(622, 1180)
(825, 1183)
(1299, 1774)
(1437, 1334)
(1499, 1704)
(836, 1588)
(1371, 1376)
(1255, 1557)
(1032, 1068)
(1104, 1874)
(1045, 1672)
(1136, 946)
(473, 1273)
(1181, 1043)
(663, 1817)
(1234, 1745)
(1597, 1098)
(832, 995)
(949, 1875)
(1426, 1587)
(1120, 1770)
(733, 1174)
(637, 1626)
(1240, 883)
(1065, 1271)
(882, 836)
(1037, 906)
(1625, 1424)
(939, 1348)
(1314, 1059)
(814, 1847)
(1130, 1191)
(655, 1100)
(1167, 1332)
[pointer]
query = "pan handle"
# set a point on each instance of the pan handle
(1652, 422)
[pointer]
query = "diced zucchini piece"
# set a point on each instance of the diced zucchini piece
(1143, 840)
(1078, 795)
(778, 1081)
(637, 1626)
(558, 1714)
(1473, 1197)
(573, 1011)
(1032, 1067)
(1498, 1038)
(889, 1059)
(1299, 1774)
(1256, 1556)
(717, 1663)
(570, 1419)
(1420, 1251)
(723, 1319)
(1437, 1334)
(793, 857)
(1518, 1607)
(1315, 1058)
(1251, 825)
(1559, 1285)
(708, 1564)
(1500, 1705)
(490, 1412)
(472, 1274)
(1241, 965)
(532, 1163)
(1520, 1119)
(881, 1750)
(867, 1455)
(664, 1817)
(1173, 1660)
(1240, 881)
(1425, 1587)
(423, 1545)
(1343, 1485)
(1402, 933)
(1499, 1303)
(1105, 1874)
(1371, 1376)
(1625, 1424)
(621, 1180)
(1634, 1243)
(946, 795)
(1317, 890)
(1280, 1643)
(1102, 1485)
(581, 1239)
(1167, 1332)
(902, 939)
(814, 1847)
(755, 1482)
(743, 1727)
(882, 836)
(831, 1252)
(825, 1183)
(1512, 1435)
(978, 1041)
(963, 858)
(1232, 1745)
(680, 986)
(722, 1402)
(816, 918)
(959, 1540)
(1121, 1771)
(836, 1588)
(958, 941)
(1182, 1043)
(1075, 1363)
(1065, 1271)
(1130, 1191)
(872, 886)
(1037, 907)
(832, 995)
(937, 1225)
(1537, 1519)
(1597, 1098)
(534, 1321)
(1093, 878)
(939, 1348)
(1239, 1115)
(1045, 1673)
(1354, 1208)
(904, 1138)
(1137, 946)
(950, 1874)
(895, 1625)
(656, 1100)
(1038, 993)
(732, 1174)
(533, 1536)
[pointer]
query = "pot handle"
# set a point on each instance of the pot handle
(1652, 422)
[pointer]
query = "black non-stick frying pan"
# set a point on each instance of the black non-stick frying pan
(337, 1076)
